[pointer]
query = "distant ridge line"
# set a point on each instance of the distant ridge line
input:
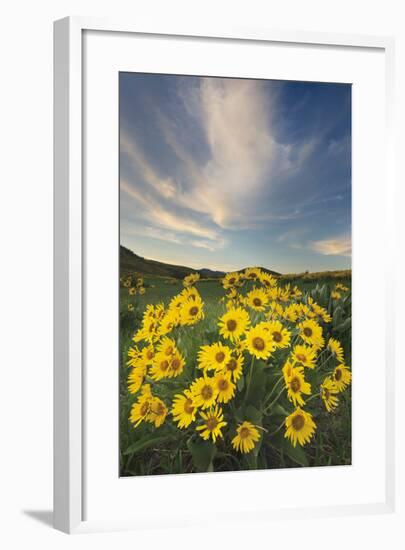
(129, 261)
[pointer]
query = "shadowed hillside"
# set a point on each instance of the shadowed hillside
(129, 261)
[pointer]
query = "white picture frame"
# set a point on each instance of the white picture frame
(70, 210)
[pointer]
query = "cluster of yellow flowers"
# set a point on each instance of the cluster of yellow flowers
(135, 285)
(336, 294)
(262, 324)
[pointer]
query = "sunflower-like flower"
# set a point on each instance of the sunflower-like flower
(141, 409)
(132, 291)
(158, 412)
(341, 287)
(252, 273)
(267, 280)
(279, 334)
(290, 313)
(213, 357)
(246, 437)
(328, 394)
(234, 367)
(335, 347)
(295, 293)
(147, 354)
(204, 392)
(191, 279)
(234, 323)
(169, 322)
(167, 346)
(136, 378)
(230, 280)
(300, 427)
(296, 386)
(184, 409)
(319, 311)
(259, 342)
(257, 299)
(342, 377)
(190, 293)
(160, 366)
(311, 333)
(335, 295)
(304, 355)
(191, 311)
(288, 370)
(225, 387)
(134, 357)
(176, 364)
(276, 310)
(213, 424)
(148, 331)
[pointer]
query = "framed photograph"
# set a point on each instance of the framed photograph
(219, 198)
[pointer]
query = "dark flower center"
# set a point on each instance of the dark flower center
(145, 408)
(212, 423)
(258, 343)
(175, 364)
(298, 422)
(232, 364)
(188, 406)
(207, 392)
(231, 325)
(295, 384)
(277, 337)
(164, 365)
(244, 433)
(220, 356)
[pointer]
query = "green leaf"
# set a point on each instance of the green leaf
(337, 316)
(257, 385)
(345, 325)
(278, 410)
(253, 415)
(297, 454)
(146, 442)
(240, 383)
(203, 453)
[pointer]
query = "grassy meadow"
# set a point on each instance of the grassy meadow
(146, 449)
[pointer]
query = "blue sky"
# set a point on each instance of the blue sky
(228, 173)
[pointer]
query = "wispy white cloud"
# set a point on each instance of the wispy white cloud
(339, 246)
(235, 119)
(163, 186)
(222, 163)
(155, 212)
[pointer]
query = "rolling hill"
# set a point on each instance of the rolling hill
(129, 261)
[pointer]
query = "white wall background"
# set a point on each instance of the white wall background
(26, 252)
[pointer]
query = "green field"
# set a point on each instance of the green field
(145, 450)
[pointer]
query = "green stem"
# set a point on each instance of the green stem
(250, 377)
(278, 429)
(326, 360)
(272, 391)
(274, 400)
(312, 397)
